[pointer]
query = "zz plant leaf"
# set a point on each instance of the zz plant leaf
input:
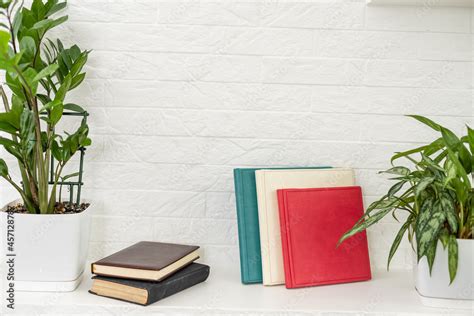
(39, 72)
(439, 198)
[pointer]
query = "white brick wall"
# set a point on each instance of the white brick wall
(180, 93)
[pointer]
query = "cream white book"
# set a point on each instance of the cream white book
(268, 182)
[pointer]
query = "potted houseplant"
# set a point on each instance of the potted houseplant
(47, 237)
(436, 194)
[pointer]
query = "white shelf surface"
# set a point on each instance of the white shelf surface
(388, 293)
(426, 3)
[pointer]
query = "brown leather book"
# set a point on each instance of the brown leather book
(146, 260)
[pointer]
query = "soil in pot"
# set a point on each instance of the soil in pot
(59, 208)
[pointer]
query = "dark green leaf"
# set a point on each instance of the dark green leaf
(7, 142)
(429, 232)
(395, 188)
(452, 257)
(47, 71)
(398, 239)
(3, 168)
(74, 108)
(444, 237)
(423, 184)
(431, 253)
(61, 94)
(56, 113)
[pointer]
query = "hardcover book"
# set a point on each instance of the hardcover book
(145, 292)
(146, 260)
(312, 222)
(247, 220)
(268, 182)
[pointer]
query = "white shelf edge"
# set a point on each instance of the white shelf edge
(424, 3)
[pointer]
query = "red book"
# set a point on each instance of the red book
(312, 222)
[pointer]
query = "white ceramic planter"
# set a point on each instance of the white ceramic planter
(51, 250)
(437, 285)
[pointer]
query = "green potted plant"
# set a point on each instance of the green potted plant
(50, 237)
(435, 192)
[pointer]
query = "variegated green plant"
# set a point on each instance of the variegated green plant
(435, 192)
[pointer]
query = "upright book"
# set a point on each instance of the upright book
(268, 182)
(312, 222)
(146, 260)
(247, 220)
(145, 292)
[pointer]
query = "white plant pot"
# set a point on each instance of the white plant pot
(437, 285)
(50, 250)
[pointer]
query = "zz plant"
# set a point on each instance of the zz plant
(436, 194)
(39, 73)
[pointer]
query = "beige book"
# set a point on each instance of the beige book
(268, 182)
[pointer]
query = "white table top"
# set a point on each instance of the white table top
(388, 293)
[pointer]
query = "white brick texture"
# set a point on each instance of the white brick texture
(180, 93)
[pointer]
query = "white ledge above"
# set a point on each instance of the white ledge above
(424, 3)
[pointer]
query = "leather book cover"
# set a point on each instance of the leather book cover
(187, 277)
(268, 182)
(312, 222)
(147, 255)
(247, 222)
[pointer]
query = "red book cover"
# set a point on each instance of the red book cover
(312, 222)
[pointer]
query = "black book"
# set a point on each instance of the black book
(146, 292)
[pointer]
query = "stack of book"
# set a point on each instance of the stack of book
(147, 272)
(290, 222)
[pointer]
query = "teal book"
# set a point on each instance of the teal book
(247, 221)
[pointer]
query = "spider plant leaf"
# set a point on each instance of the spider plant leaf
(398, 239)
(452, 258)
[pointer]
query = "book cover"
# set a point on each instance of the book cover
(268, 182)
(146, 260)
(312, 222)
(247, 221)
(146, 292)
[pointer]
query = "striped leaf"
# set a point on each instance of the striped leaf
(431, 254)
(452, 257)
(367, 222)
(429, 232)
(398, 239)
(423, 184)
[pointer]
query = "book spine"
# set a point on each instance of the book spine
(241, 225)
(168, 288)
(284, 228)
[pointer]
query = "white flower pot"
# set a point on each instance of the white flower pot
(437, 285)
(50, 250)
